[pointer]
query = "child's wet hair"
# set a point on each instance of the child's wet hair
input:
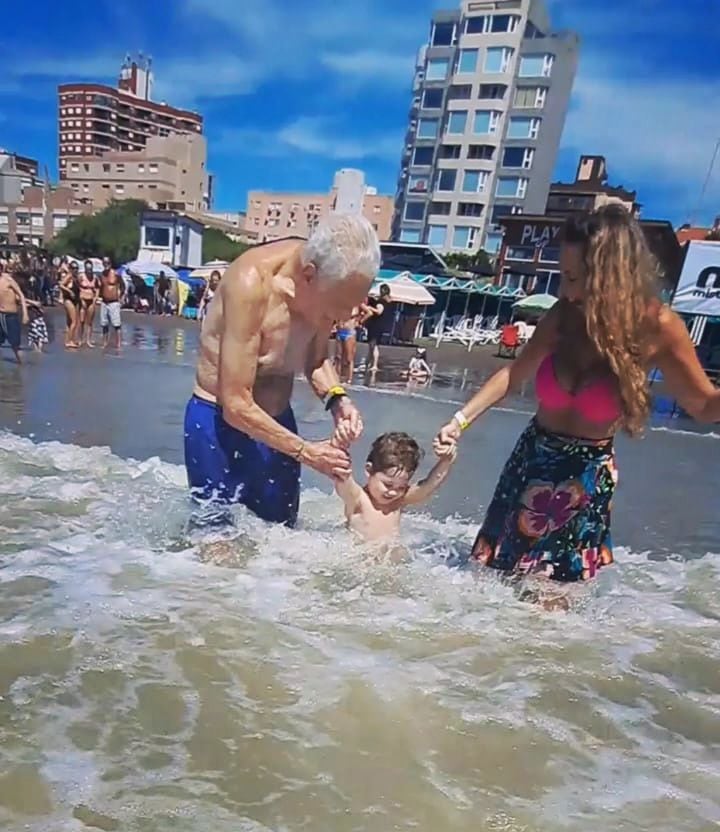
(393, 452)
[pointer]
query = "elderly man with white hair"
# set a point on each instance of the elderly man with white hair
(271, 317)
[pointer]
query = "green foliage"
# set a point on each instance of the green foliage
(477, 262)
(218, 246)
(113, 232)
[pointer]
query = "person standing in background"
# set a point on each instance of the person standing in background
(112, 290)
(12, 307)
(378, 321)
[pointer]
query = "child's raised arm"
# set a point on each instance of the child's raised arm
(346, 489)
(425, 489)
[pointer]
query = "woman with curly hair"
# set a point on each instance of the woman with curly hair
(590, 357)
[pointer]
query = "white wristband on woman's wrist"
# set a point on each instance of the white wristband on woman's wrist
(462, 420)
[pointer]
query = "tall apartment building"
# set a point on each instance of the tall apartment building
(271, 216)
(170, 172)
(95, 118)
(490, 96)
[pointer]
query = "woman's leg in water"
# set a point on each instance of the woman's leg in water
(350, 348)
(71, 320)
(89, 321)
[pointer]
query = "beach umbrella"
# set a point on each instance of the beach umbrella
(536, 303)
(207, 269)
(148, 268)
(403, 289)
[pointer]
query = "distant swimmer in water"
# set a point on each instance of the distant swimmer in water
(590, 357)
(271, 318)
(373, 512)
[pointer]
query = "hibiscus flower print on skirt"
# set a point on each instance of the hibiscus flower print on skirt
(551, 510)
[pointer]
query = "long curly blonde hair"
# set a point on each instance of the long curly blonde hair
(620, 286)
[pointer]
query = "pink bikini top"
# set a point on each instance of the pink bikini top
(597, 401)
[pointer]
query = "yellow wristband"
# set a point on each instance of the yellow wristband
(335, 391)
(461, 420)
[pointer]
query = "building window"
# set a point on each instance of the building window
(422, 157)
(106, 168)
(486, 122)
(74, 167)
(428, 128)
(432, 99)
(464, 237)
(511, 186)
(119, 188)
(409, 235)
(443, 34)
(460, 92)
(518, 157)
(523, 128)
(415, 211)
(536, 66)
(550, 254)
(481, 151)
(120, 168)
(141, 168)
(530, 98)
(476, 25)
(500, 211)
(498, 58)
(474, 181)
(457, 122)
(437, 235)
(470, 209)
(440, 208)
(526, 253)
(468, 60)
(492, 91)
(152, 167)
(152, 186)
(449, 151)
(437, 69)
(85, 187)
(493, 241)
(156, 236)
(418, 184)
(446, 180)
(504, 23)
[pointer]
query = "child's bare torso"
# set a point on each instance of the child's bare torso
(372, 523)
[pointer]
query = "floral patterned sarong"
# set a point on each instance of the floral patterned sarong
(550, 514)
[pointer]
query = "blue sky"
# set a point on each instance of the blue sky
(293, 90)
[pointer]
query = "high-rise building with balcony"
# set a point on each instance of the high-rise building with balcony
(490, 96)
(95, 118)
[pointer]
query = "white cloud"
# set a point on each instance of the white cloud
(309, 135)
(370, 65)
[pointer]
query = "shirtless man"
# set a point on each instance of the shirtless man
(270, 318)
(112, 289)
(11, 298)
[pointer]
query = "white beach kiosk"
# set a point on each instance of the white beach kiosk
(698, 290)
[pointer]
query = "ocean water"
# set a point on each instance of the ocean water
(303, 683)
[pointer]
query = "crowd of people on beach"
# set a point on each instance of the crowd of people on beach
(31, 282)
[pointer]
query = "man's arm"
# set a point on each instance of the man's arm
(425, 489)
(21, 297)
(319, 370)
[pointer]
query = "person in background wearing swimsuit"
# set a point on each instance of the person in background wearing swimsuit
(590, 356)
(11, 299)
(70, 293)
(112, 290)
(89, 293)
(346, 339)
